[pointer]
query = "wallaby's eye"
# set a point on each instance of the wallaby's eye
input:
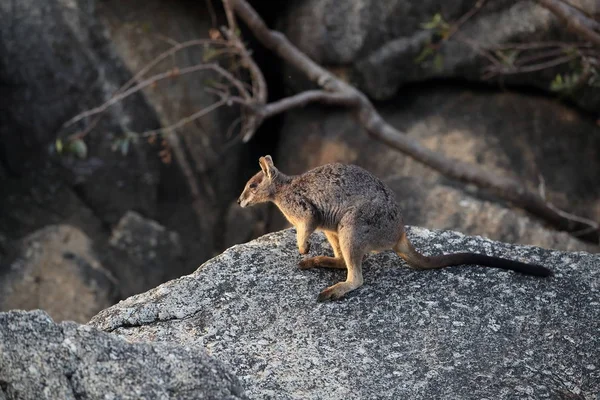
(253, 185)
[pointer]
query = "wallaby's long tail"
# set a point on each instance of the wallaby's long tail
(417, 260)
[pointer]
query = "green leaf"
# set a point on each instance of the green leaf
(508, 57)
(211, 83)
(79, 148)
(425, 53)
(59, 146)
(433, 23)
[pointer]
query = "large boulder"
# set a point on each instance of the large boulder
(57, 270)
(377, 44)
(527, 137)
(52, 68)
(40, 360)
(461, 332)
(443, 207)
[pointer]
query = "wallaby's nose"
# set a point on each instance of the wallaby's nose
(239, 200)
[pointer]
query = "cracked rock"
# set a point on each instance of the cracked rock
(40, 359)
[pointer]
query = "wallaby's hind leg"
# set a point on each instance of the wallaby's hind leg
(353, 258)
(336, 262)
(334, 241)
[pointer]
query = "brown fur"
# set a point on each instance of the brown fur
(358, 214)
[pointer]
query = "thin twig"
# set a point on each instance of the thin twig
(150, 81)
(593, 225)
(212, 13)
(575, 21)
(259, 84)
(538, 45)
(462, 20)
(306, 97)
(149, 66)
(491, 71)
(185, 120)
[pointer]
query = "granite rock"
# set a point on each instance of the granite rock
(40, 359)
(461, 332)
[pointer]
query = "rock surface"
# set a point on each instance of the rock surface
(40, 360)
(462, 332)
(55, 269)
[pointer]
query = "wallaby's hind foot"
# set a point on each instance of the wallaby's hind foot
(337, 291)
(322, 262)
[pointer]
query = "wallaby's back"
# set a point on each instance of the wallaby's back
(334, 189)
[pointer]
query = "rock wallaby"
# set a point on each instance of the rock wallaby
(358, 214)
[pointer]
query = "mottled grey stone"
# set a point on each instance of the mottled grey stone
(461, 332)
(40, 359)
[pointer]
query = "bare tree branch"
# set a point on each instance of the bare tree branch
(259, 85)
(458, 24)
(575, 20)
(504, 187)
(304, 98)
(184, 121)
(150, 81)
(507, 70)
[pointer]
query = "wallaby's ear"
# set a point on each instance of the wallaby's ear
(266, 164)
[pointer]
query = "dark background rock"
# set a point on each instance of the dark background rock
(58, 59)
(57, 270)
(145, 248)
(456, 333)
(140, 32)
(40, 359)
(443, 207)
(375, 43)
(56, 62)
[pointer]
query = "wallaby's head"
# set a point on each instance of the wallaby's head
(261, 187)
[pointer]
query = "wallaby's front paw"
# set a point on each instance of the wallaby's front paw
(334, 292)
(304, 249)
(307, 263)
